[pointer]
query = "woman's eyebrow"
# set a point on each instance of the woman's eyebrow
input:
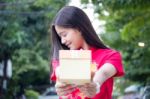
(60, 33)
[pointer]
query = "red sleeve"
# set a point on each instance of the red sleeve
(115, 59)
(55, 64)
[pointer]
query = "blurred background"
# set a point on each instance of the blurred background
(25, 44)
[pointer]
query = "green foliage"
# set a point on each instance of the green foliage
(31, 94)
(136, 28)
(24, 36)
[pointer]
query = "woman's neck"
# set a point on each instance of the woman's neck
(85, 46)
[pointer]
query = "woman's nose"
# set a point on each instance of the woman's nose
(63, 41)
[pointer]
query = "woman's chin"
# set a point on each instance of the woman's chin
(72, 48)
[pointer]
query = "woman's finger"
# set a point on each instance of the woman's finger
(62, 92)
(64, 89)
(59, 85)
(85, 89)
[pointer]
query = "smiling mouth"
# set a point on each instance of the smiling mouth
(68, 45)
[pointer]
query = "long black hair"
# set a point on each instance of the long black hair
(73, 17)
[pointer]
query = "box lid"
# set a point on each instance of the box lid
(74, 54)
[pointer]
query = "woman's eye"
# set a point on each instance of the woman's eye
(64, 35)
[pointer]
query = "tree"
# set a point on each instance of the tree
(127, 25)
(24, 38)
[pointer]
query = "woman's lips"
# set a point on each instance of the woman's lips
(69, 45)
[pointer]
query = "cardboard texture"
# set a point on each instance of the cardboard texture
(75, 66)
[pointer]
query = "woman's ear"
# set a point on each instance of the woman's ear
(77, 28)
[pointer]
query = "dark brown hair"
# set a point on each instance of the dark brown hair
(73, 17)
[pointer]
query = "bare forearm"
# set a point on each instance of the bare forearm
(104, 73)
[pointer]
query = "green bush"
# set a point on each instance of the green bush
(31, 94)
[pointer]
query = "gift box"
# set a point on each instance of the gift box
(75, 66)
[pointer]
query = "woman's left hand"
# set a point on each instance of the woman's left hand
(89, 90)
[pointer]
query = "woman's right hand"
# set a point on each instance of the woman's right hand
(63, 89)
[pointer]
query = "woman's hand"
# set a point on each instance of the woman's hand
(89, 89)
(63, 89)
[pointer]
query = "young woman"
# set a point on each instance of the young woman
(72, 30)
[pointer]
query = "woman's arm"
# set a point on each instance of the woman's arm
(104, 73)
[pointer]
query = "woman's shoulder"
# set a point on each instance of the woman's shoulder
(106, 51)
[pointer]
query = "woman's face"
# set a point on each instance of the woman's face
(70, 37)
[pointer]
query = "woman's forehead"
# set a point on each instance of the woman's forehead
(59, 27)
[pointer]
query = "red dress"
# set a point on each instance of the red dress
(100, 56)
